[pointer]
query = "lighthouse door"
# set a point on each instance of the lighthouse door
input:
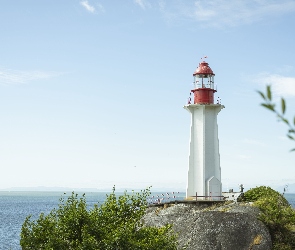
(214, 188)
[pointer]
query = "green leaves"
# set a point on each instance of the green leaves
(268, 91)
(268, 104)
(262, 95)
(283, 105)
(116, 224)
(276, 213)
(255, 194)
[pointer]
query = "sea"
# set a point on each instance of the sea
(16, 206)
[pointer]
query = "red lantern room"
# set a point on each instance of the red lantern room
(204, 84)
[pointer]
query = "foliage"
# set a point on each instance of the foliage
(276, 213)
(270, 105)
(116, 224)
(261, 192)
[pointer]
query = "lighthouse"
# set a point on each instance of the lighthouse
(204, 173)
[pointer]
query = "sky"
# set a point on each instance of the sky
(92, 92)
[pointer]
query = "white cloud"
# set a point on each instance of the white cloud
(253, 142)
(8, 76)
(281, 85)
(162, 5)
(143, 3)
(101, 8)
(244, 157)
(235, 12)
(220, 13)
(204, 13)
(87, 6)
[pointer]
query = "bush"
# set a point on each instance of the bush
(257, 193)
(276, 213)
(116, 224)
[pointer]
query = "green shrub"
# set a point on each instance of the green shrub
(116, 224)
(260, 192)
(276, 213)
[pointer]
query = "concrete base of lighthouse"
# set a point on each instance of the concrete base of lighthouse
(204, 174)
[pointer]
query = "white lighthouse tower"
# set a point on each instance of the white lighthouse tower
(204, 174)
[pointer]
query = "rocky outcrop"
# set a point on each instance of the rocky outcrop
(217, 227)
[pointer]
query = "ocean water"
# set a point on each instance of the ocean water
(16, 206)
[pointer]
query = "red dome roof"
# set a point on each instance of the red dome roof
(203, 69)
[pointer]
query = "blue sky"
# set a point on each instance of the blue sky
(92, 92)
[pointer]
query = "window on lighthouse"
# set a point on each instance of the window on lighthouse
(210, 82)
(197, 84)
(204, 81)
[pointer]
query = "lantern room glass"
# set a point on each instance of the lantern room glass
(204, 81)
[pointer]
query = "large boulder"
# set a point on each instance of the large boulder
(224, 227)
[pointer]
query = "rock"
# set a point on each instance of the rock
(227, 227)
